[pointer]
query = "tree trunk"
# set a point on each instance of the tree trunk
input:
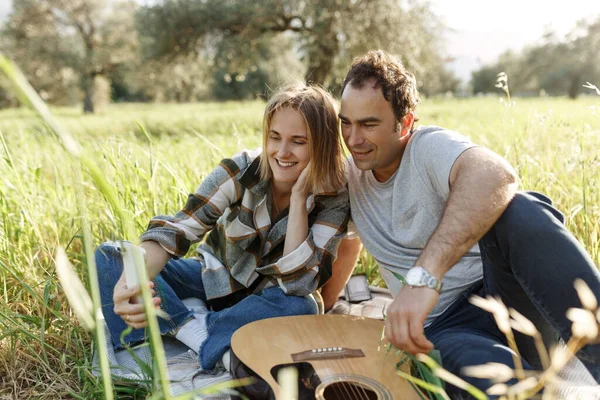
(321, 58)
(318, 71)
(88, 88)
(574, 87)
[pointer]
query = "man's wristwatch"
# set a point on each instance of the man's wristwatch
(419, 277)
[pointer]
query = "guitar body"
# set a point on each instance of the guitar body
(349, 359)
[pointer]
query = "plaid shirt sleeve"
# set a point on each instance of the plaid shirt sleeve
(218, 191)
(307, 268)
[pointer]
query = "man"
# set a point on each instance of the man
(444, 213)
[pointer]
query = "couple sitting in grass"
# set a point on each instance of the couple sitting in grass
(427, 203)
(273, 222)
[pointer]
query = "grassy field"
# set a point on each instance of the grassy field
(44, 353)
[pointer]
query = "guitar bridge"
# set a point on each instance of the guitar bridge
(327, 353)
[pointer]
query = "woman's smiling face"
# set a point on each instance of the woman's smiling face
(287, 147)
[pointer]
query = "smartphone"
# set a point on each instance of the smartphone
(357, 289)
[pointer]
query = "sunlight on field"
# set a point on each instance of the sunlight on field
(553, 144)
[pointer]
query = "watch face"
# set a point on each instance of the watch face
(413, 277)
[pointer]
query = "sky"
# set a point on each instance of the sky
(5, 6)
(482, 29)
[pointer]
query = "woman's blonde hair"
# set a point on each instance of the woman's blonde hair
(319, 110)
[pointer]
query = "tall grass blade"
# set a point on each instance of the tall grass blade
(78, 297)
(450, 378)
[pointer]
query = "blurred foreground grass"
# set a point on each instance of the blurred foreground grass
(553, 143)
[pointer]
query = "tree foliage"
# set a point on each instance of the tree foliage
(62, 42)
(556, 66)
(326, 34)
(189, 50)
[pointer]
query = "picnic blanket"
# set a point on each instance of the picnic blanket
(574, 381)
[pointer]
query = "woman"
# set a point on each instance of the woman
(273, 223)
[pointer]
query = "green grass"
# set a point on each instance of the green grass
(45, 353)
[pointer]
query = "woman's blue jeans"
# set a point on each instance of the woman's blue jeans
(181, 279)
(530, 260)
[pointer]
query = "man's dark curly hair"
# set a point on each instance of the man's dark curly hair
(399, 86)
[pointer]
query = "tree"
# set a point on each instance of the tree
(185, 80)
(484, 79)
(557, 65)
(61, 40)
(328, 33)
(583, 56)
(7, 98)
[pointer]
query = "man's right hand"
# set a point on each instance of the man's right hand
(125, 304)
(406, 316)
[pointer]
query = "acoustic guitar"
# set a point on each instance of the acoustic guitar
(338, 356)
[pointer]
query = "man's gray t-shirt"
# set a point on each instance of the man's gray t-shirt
(395, 219)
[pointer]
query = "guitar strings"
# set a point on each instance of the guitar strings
(344, 365)
(332, 365)
(347, 388)
(348, 363)
(362, 389)
(344, 384)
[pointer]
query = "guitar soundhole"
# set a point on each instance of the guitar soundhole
(348, 391)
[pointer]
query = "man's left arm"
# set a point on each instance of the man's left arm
(482, 184)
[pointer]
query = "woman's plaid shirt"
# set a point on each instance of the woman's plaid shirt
(243, 245)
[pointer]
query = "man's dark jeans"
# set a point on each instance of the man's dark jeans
(530, 260)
